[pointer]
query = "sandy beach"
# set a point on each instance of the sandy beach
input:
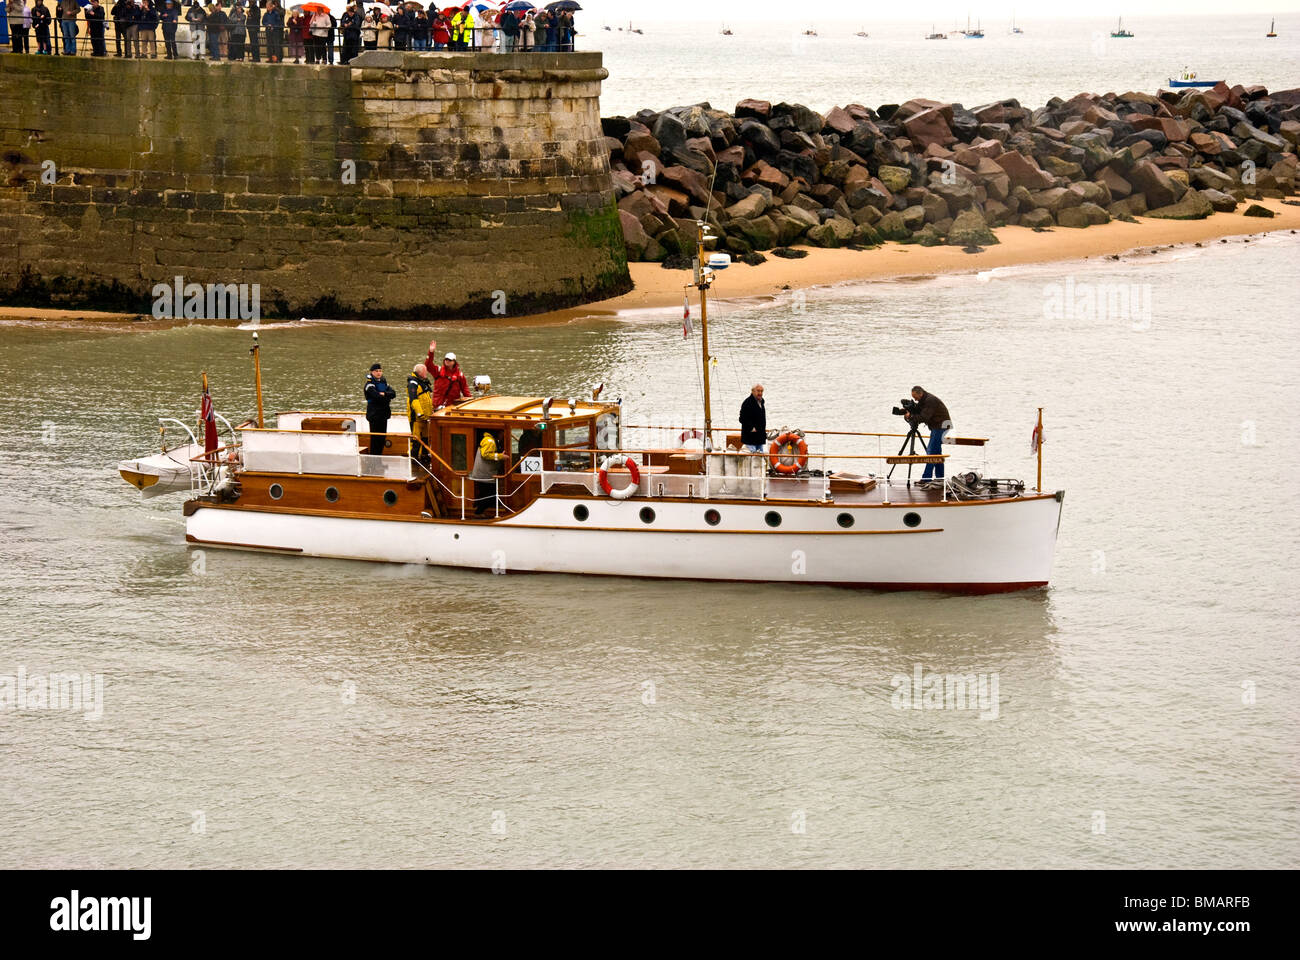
(657, 288)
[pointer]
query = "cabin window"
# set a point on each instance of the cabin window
(773, 518)
(581, 513)
(712, 517)
(647, 515)
(579, 437)
(332, 494)
(390, 497)
(912, 519)
(277, 491)
(459, 451)
(607, 432)
(845, 520)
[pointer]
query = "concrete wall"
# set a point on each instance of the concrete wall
(474, 173)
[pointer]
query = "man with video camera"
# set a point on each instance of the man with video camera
(926, 408)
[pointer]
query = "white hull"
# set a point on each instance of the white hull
(970, 546)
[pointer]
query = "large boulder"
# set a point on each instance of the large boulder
(1220, 201)
(1056, 199)
(890, 226)
(896, 179)
(1023, 171)
(670, 131)
(761, 232)
(930, 127)
(1193, 206)
(1036, 219)
(1084, 215)
(1149, 179)
(969, 229)
(634, 236)
(760, 138)
(754, 109)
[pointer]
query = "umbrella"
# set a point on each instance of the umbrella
(519, 5)
(559, 5)
(315, 8)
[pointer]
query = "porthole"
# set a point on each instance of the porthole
(712, 517)
(276, 491)
(912, 519)
(581, 513)
(390, 497)
(647, 515)
(845, 520)
(332, 494)
(773, 518)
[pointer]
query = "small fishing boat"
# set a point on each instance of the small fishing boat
(1014, 29)
(1272, 28)
(935, 35)
(1189, 79)
(969, 34)
(810, 32)
(862, 33)
(726, 31)
(1119, 33)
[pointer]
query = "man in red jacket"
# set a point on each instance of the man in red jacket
(449, 383)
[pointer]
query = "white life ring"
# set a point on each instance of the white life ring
(625, 492)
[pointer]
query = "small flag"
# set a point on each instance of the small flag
(209, 421)
(1035, 439)
(686, 316)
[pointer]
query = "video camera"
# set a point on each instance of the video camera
(908, 406)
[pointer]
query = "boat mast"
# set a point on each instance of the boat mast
(704, 277)
(257, 374)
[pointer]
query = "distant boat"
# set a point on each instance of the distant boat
(1272, 28)
(610, 29)
(1119, 32)
(726, 31)
(810, 32)
(862, 33)
(1014, 28)
(935, 35)
(976, 34)
(631, 29)
(1189, 79)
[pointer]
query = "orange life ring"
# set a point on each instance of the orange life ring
(690, 435)
(797, 449)
(603, 477)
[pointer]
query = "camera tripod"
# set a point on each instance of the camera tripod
(909, 444)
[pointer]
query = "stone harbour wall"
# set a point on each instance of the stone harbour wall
(410, 186)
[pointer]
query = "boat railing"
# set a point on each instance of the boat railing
(735, 474)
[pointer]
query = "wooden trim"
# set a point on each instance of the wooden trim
(190, 538)
(826, 504)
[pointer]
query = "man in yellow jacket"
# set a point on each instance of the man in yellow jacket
(419, 406)
(462, 29)
(487, 467)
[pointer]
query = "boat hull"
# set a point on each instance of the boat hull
(1194, 83)
(967, 547)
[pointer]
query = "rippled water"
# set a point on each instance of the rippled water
(678, 63)
(519, 700)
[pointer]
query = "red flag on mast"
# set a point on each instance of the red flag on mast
(208, 418)
(686, 316)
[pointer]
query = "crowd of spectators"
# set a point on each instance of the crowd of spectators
(257, 29)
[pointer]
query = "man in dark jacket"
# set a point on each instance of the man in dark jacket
(351, 26)
(121, 14)
(95, 28)
(171, 18)
(753, 421)
(931, 412)
(379, 398)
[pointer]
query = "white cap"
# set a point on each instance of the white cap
(450, 356)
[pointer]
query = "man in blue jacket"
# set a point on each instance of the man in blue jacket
(379, 398)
